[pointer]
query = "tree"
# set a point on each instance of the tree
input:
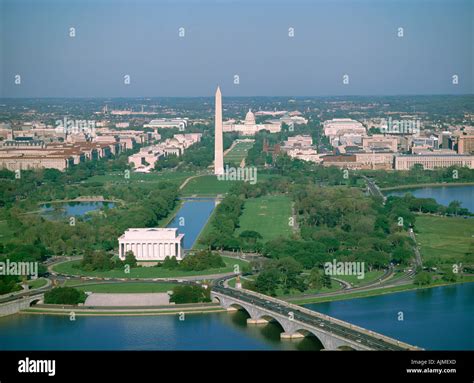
(250, 236)
(422, 278)
(327, 281)
(315, 280)
(249, 240)
(202, 260)
(289, 270)
(130, 259)
(190, 294)
(170, 263)
(267, 281)
(64, 296)
(454, 207)
(401, 255)
(449, 275)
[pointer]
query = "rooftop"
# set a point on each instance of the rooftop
(151, 233)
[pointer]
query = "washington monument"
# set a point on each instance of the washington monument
(218, 148)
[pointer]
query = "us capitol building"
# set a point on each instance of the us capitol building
(249, 127)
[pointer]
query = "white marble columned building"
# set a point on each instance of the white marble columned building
(152, 244)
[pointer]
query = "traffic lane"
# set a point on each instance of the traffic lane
(308, 319)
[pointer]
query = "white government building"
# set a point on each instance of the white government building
(152, 244)
(250, 127)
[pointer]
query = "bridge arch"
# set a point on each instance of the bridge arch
(239, 307)
(266, 319)
(269, 318)
(35, 301)
(304, 333)
(345, 347)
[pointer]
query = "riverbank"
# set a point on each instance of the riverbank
(375, 292)
(125, 311)
(417, 186)
(164, 222)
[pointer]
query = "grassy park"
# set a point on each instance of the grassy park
(238, 153)
(145, 179)
(375, 292)
(125, 287)
(37, 283)
(5, 232)
(207, 185)
(369, 277)
(210, 185)
(145, 272)
(445, 239)
(267, 215)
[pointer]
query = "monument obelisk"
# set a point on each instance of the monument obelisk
(219, 147)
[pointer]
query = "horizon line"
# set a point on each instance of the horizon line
(255, 96)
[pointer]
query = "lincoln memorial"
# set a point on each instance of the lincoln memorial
(152, 244)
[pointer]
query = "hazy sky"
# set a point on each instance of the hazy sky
(226, 38)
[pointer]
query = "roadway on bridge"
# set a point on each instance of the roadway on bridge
(355, 335)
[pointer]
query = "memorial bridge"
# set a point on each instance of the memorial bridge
(298, 322)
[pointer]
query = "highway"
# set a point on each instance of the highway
(355, 335)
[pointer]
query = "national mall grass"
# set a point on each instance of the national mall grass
(446, 239)
(238, 153)
(269, 215)
(146, 179)
(145, 272)
(210, 185)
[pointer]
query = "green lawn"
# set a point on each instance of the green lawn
(370, 293)
(207, 185)
(445, 239)
(37, 283)
(6, 233)
(146, 179)
(145, 272)
(280, 293)
(267, 215)
(126, 287)
(369, 276)
(334, 287)
(235, 156)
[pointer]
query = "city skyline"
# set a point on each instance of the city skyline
(236, 175)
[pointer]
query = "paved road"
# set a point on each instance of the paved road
(363, 338)
(25, 293)
(382, 282)
(418, 260)
(373, 188)
(193, 278)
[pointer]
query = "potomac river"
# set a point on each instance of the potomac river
(442, 194)
(436, 318)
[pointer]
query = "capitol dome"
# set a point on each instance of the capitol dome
(250, 118)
